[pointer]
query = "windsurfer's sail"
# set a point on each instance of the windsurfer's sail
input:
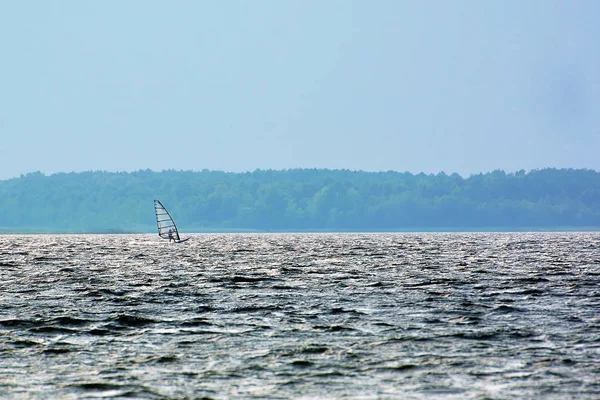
(166, 225)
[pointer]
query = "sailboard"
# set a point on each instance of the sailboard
(166, 226)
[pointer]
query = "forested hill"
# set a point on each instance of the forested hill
(301, 200)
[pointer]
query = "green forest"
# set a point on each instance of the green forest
(301, 200)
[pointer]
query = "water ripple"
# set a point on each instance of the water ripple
(458, 316)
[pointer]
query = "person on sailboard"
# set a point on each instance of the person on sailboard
(171, 235)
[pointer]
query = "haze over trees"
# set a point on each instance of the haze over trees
(301, 200)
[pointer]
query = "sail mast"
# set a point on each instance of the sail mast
(165, 222)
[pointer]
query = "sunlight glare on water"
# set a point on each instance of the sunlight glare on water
(419, 315)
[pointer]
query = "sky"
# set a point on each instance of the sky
(419, 86)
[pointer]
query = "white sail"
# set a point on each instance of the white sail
(166, 226)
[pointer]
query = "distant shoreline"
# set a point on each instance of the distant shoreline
(303, 200)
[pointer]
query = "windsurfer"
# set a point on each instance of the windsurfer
(171, 235)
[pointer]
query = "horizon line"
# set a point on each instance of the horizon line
(204, 170)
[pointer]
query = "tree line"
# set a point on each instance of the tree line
(301, 200)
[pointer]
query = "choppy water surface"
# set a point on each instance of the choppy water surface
(301, 316)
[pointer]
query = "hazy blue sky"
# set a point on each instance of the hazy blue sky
(454, 86)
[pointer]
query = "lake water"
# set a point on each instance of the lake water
(432, 315)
